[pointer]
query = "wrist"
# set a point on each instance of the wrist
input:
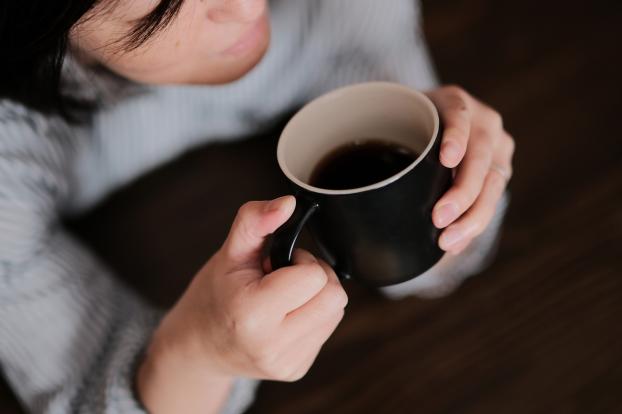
(175, 377)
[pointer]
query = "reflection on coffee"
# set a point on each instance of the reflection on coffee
(361, 163)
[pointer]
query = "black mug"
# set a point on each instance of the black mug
(380, 234)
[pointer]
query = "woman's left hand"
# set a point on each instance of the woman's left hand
(481, 151)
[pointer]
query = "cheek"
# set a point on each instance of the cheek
(195, 59)
(169, 56)
(188, 51)
(237, 10)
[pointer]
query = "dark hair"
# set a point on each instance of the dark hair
(34, 36)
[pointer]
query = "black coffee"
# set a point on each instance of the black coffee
(360, 164)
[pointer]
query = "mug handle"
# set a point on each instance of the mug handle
(284, 238)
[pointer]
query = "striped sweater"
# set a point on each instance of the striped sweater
(71, 334)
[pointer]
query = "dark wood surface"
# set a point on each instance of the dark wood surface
(537, 332)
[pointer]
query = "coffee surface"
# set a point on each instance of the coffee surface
(361, 163)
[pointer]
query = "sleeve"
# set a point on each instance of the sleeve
(401, 47)
(70, 334)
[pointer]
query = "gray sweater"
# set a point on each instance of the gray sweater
(71, 334)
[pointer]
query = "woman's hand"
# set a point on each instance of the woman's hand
(236, 320)
(480, 150)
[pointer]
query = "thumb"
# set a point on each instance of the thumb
(254, 222)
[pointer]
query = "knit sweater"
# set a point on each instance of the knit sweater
(71, 334)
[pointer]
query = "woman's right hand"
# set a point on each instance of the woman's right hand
(238, 319)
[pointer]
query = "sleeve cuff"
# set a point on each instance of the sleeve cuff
(241, 397)
(112, 389)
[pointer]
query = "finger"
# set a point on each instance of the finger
(469, 179)
(330, 272)
(304, 340)
(454, 108)
(254, 222)
(289, 288)
(482, 212)
(475, 221)
(325, 306)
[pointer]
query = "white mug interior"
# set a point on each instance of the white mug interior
(376, 110)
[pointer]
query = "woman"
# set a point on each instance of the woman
(84, 109)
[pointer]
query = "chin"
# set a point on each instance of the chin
(225, 74)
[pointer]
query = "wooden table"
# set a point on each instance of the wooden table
(539, 331)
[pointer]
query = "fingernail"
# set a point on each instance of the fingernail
(446, 214)
(450, 238)
(274, 205)
(450, 150)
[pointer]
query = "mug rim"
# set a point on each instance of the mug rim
(396, 87)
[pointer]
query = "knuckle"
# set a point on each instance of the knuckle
(494, 119)
(456, 91)
(246, 325)
(457, 101)
(287, 374)
(481, 154)
(484, 140)
(497, 181)
(338, 298)
(245, 209)
(295, 376)
(338, 316)
(477, 227)
(314, 272)
(459, 108)
(267, 363)
(510, 143)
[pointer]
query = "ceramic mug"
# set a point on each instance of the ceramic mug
(380, 234)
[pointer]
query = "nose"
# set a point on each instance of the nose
(237, 11)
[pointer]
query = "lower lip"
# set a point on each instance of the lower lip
(249, 40)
